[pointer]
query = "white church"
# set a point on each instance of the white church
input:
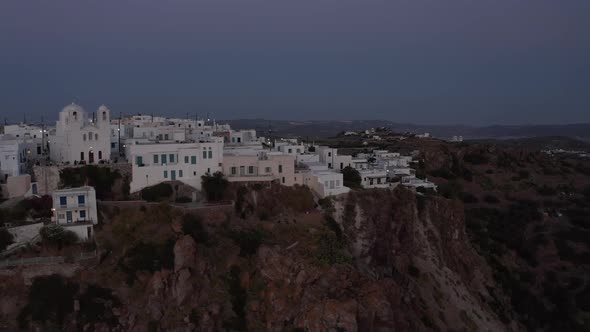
(81, 137)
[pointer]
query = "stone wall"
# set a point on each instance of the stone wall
(47, 177)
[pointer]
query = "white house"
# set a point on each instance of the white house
(80, 137)
(153, 163)
(373, 178)
(75, 210)
(260, 167)
(329, 156)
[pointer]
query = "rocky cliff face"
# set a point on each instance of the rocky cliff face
(419, 246)
(386, 261)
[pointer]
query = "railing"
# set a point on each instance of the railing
(48, 260)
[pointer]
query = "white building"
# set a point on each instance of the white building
(75, 210)
(372, 178)
(14, 155)
(260, 167)
(80, 137)
(329, 157)
(153, 163)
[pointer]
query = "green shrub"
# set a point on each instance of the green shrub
(58, 236)
(331, 251)
(468, 198)
(50, 300)
(351, 177)
(101, 178)
(183, 199)
(148, 257)
(156, 193)
(334, 227)
(476, 158)
(238, 298)
(214, 186)
(6, 239)
(192, 225)
(248, 241)
(96, 306)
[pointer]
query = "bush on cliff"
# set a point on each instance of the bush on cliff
(101, 178)
(50, 300)
(214, 186)
(351, 177)
(157, 193)
(58, 236)
(6, 239)
(193, 226)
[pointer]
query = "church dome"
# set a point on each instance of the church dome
(73, 108)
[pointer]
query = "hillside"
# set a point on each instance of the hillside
(501, 246)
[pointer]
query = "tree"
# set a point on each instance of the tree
(58, 236)
(214, 186)
(352, 177)
(6, 239)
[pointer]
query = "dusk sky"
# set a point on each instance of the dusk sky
(429, 62)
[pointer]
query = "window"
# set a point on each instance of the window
(283, 179)
(63, 200)
(193, 160)
(233, 170)
(329, 154)
(96, 137)
(179, 173)
(290, 150)
(84, 137)
(250, 169)
(81, 199)
(82, 214)
(186, 159)
(210, 154)
(155, 159)
(82, 155)
(329, 165)
(280, 168)
(165, 174)
(163, 157)
(204, 154)
(171, 157)
(166, 137)
(90, 136)
(99, 155)
(112, 145)
(139, 161)
(104, 116)
(268, 170)
(337, 183)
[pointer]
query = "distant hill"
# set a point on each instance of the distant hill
(330, 128)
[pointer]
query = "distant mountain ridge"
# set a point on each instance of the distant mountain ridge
(325, 128)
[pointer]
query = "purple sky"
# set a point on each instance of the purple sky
(431, 61)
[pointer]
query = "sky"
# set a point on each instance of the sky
(415, 61)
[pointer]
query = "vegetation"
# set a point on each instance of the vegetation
(476, 158)
(6, 239)
(193, 226)
(58, 236)
(214, 186)
(331, 251)
(50, 300)
(351, 177)
(148, 257)
(157, 193)
(239, 298)
(248, 240)
(96, 306)
(101, 178)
